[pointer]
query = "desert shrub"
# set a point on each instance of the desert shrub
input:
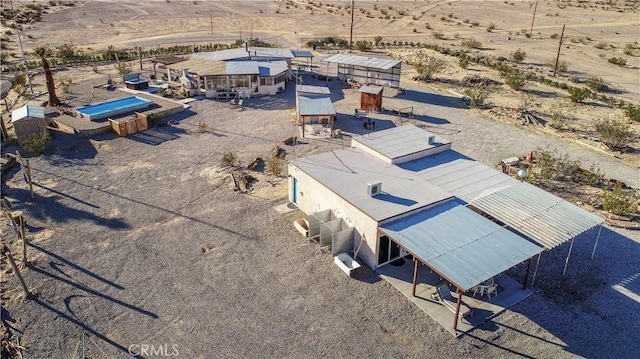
(438, 34)
(491, 27)
(123, 68)
(36, 143)
(601, 45)
(617, 61)
(596, 83)
(463, 61)
(579, 94)
(471, 43)
(427, 26)
(593, 176)
(551, 165)
(363, 45)
(202, 127)
(275, 165)
(475, 23)
(229, 159)
(516, 80)
(429, 67)
(559, 118)
(617, 201)
(376, 40)
(632, 112)
(518, 56)
(478, 95)
(628, 49)
(614, 133)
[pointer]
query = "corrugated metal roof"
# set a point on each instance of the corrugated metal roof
(320, 90)
(461, 245)
(398, 142)
(301, 53)
(460, 175)
(242, 68)
(348, 171)
(538, 214)
(241, 53)
(27, 111)
(272, 68)
(374, 90)
(201, 66)
(372, 62)
(315, 105)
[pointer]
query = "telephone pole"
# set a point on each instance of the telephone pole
(534, 18)
(555, 67)
(351, 33)
(24, 58)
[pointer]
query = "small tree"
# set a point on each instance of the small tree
(43, 52)
(123, 68)
(275, 165)
(478, 95)
(376, 40)
(36, 142)
(229, 159)
(617, 201)
(613, 133)
(518, 56)
(426, 69)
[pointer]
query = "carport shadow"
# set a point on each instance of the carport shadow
(156, 136)
(69, 150)
(599, 294)
(349, 124)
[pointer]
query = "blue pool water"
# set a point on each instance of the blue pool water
(116, 106)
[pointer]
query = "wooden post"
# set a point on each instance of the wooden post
(351, 32)
(555, 67)
(140, 56)
(30, 180)
(526, 277)
(5, 134)
(211, 16)
(7, 253)
(455, 323)
(23, 237)
(534, 18)
(415, 275)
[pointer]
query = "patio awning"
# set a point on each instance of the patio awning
(545, 218)
(459, 244)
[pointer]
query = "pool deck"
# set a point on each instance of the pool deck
(83, 126)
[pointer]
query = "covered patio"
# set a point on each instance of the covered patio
(464, 249)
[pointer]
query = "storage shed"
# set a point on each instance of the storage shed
(28, 120)
(316, 114)
(371, 98)
(367, 70)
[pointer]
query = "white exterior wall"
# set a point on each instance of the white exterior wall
(270, 90)
(314, 197)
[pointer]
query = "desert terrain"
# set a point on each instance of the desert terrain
(142, 240)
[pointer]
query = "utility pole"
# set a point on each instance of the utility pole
(534, 18)
(211, 17)
(555, 67)
(351, 33)
(24, 58)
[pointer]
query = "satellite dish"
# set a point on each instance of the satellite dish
(522, 174)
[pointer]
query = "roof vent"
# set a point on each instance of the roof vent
(431, 139)
(374, 188)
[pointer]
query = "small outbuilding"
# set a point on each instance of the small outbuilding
(316, 114)
(28, 120)
(371, 98)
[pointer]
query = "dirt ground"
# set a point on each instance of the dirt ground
(134, 243)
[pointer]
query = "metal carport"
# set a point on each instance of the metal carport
(460, 245)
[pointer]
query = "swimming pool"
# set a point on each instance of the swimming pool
(113, 108)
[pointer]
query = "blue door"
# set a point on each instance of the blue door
(295, 190)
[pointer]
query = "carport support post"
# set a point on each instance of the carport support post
(30, 180)
(23, 237)
(535, 271)
(595, 245)
(415, 276)
(566, 261)
(455, 320)
(7, 253)
(526, 276)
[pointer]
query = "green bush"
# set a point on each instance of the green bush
(518, 56)
(617, 61)
(613, 133)
(229, 159)
(275, 165)
(617, 201)
(426, 69)
(596, 84)
(516, 80)
(478, 95)
(632, 112)
(550, 165)
(36, 142)
(471, 43)
(578, 94)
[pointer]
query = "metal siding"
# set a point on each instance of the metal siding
(27, 111)
(465, 254)
(242, 68)
(374, 90)
(313, 89)
(399, 141)
(538, 214)
(303, 53)
(308, 105)
(272, 68)
(372, 62)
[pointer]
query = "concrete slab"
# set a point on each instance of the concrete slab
(285, 208)
(483, 308)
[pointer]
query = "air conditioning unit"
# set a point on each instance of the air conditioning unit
(431, 139)
(374, 188)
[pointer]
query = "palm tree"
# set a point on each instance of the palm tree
(42, 52)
